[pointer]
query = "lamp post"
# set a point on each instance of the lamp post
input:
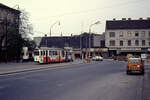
(53, 25)
(98, 22)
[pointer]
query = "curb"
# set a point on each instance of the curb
(39, 68)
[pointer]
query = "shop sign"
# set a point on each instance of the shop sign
(131, 49)
(114, 48)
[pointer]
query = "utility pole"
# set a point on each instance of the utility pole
(46, 47)
(81, 55)
(81, 46)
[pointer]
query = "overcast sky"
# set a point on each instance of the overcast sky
(76, 16)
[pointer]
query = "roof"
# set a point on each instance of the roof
(9, 8)
(127, 24)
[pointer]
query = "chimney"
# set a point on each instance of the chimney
(114, 19)
(129, 18)
(148, 18)
(123, 18)
(140, 18)
(45, 35)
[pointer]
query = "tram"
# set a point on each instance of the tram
(51, 55)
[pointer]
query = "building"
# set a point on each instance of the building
(97, 46)
(9, 22)
(128, 36)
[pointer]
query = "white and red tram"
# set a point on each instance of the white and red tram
(50, 55)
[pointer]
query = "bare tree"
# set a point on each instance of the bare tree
(25, 25)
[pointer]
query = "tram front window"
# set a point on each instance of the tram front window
(36, 53)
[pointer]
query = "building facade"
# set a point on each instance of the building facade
(9, 22)
(128, 36)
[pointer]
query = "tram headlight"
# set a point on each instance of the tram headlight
(138, 66)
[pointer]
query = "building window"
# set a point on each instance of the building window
(129, 42)
(143, 42)
(121, 43)
(137, 42)
(143, 33)
(111, 34)
(121, 34)
(112, 42)
(136, 33)
(129, 34)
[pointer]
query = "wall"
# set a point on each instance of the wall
(125, 38)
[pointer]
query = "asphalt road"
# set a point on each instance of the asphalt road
(104, 80)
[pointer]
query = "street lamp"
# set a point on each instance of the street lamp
(53, 25)
(98, 22)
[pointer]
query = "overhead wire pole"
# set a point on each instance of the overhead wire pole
(81, 41)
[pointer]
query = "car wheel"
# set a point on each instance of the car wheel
(127, 72)
(142, 72)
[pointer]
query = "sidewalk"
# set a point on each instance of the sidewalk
(146, 85)
(11, 68)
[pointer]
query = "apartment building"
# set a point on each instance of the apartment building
(9, 22)
(128, 36)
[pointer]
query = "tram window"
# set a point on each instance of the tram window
(41, 53)
(54, 52)
(63, 53)
(50, 53)
(36, 53)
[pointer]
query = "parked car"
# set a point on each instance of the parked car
(97, 58)
(135, 65)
